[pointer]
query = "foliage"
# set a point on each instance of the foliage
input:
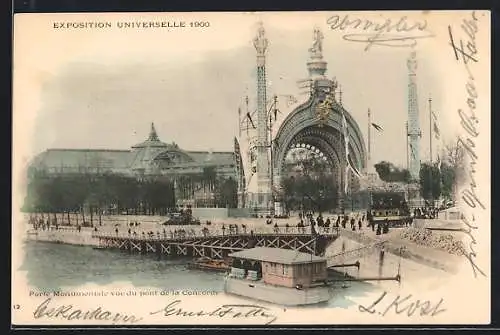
(430, 181)
(313, 189)
(443, 175)
(388, 172)
(448, 180)
(73, 193)
(122, 194)
(226, 194)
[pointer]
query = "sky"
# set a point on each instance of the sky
(102, 88)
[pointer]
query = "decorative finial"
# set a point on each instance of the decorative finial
(316, 65)
(412, 62)
(153, 136)
(317, 47)
(260, 41)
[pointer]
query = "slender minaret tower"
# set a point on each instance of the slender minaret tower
(414, 132)
(263, 183)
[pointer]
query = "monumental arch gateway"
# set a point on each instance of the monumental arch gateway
(319, 123)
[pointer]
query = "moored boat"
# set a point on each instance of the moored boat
(209, 264)
(279, 276)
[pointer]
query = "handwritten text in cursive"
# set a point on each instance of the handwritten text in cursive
(404, 305)
(224, 311)
(70, 312)
(385, 32)
(466, 52)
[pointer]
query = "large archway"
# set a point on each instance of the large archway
(305, 127)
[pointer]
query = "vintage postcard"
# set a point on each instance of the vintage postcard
(258, 168)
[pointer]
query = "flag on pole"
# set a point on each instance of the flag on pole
(349, 164)
(413, 152)
(239, 121)
(251, 121)
(353, 169)
(346, 187)
(436, 130)
(376, 126)
(346, 134)
(346, 142)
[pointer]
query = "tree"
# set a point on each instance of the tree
(448, 181)
(454, 159)
(226, 193)
(430, 181)
(388, 172)
(313, 189)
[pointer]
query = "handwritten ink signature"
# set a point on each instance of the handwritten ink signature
(224, 311)
(466, 52)
(70, 312)
(400, 33)
(405, 305)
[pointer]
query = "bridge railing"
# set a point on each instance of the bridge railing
(157, 236)
(55, 229)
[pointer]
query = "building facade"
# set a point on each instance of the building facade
(149, 158)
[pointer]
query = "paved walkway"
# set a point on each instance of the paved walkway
(393, 243)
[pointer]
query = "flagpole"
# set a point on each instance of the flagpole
(369, 139)
(407, 148)
(247, 111)
(239, 121)
(430, 150)
(430, 129)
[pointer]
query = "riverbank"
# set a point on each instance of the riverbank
(399, 247)
(349, 240)
(71, 236)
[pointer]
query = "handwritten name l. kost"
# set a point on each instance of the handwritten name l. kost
(407, 305)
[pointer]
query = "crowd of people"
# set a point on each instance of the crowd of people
(319, 224)
(425, 213)
(41, 223)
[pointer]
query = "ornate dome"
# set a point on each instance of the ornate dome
(152, 141)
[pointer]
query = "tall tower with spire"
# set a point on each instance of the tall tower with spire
(414, 132)
(264, 195)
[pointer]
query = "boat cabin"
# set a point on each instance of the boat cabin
(282, 267)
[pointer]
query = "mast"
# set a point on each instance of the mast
(271, 179)
(239, 122)
(368, 163)
(246, 113)
(430, 130)
(430, 152)
(407, 147)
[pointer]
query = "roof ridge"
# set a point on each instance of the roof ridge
(87, 149)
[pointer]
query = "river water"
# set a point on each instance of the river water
(52, 266)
